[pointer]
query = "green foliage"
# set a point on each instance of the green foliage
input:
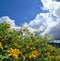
(14, 46)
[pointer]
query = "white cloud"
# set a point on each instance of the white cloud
(52, 6)
(9, 21)
(54, 9)
(48, 22)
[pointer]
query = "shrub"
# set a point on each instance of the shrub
(15, 46)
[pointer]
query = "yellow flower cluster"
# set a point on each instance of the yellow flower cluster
(49, 55)
(23, 45)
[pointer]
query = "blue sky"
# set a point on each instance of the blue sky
(20, 10)
(39, 15)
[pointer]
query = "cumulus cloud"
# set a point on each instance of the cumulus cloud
(9, 21)
(48, 22)
(54, 9)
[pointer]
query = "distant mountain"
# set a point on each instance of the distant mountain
(55, 43)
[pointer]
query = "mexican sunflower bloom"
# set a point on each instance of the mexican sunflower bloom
(7, 25)
(14, 52)
(1, 45)
(58, 58)
(16, 45)
(34, 54)
(28, 32)
(18, 36)
(5, 37)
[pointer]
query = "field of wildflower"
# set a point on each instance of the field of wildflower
(14, 46)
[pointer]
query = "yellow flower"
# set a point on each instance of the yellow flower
(1, 45)
(48, 54)
(49, 47)
(7, 25)
(27, 46)
(24, 28)
(9, 30)
(5, 37)
(58, 58)
(15, 31)
(14, 52)
(32, 48)
(34, 54)
(51, 57)
(37, 40)
(18, 36)
(23, 57)
(17, 46)
(28, 32)
(44, 49)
